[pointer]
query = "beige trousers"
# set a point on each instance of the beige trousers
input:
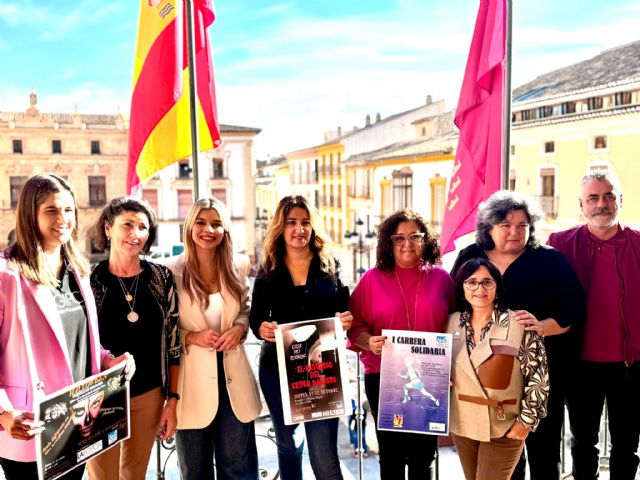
(494, 460)
(129, 459)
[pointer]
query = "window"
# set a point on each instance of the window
(402, 188)
(220, 194)
(56, 146)
(95, 147)
(150, 195)
(438, 199)
(548, 180)
(17, 146)
(568, 107)
(623, 98)
(594, 103)
(600, 142)
(184, 170)
(97, 191)
(549, 147)
(15, 187)
(185, 199)
(512, 180)
(545, 112)
(217, 170)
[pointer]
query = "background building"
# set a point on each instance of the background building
(90, 151)
(578, 118)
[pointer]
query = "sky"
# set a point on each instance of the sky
(297, 68)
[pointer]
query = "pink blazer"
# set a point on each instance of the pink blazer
(29, 322)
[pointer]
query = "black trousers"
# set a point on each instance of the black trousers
(618, 385)
(543, 445)
(29, 471)
(398, 450)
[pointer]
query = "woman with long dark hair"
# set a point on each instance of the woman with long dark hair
(298, 280)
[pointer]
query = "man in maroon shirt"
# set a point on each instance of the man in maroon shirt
(606, 257)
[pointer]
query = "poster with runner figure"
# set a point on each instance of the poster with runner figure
(414, 382)
(82, 421)
(313, 369)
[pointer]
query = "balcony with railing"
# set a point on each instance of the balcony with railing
(549, 205)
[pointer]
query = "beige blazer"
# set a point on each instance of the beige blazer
(471, 420)
(198, 377)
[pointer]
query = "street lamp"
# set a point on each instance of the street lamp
(360, 244)
(261, 232)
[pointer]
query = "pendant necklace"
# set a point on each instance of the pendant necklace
(406, 305)
(132, 316)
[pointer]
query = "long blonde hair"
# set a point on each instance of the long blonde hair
(222, 259)
(274, 246)
(27, 252)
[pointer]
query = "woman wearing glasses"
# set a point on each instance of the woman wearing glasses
(499, 373)
(405, 291)
(543, 290)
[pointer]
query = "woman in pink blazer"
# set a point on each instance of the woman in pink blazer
(48, 327)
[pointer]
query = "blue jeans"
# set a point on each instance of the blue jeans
(322, 436)
(232, 442)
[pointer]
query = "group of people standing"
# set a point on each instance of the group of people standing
(533, 328)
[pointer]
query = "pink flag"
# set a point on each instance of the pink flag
(480, 118)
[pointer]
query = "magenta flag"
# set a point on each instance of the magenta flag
(480, 118)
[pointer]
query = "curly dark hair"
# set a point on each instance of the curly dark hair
(114, 208)
(497, 207)
(467, 269)
(384, 251)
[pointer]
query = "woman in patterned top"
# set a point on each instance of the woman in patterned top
(137, 308)
(499, 373)
(545, 293)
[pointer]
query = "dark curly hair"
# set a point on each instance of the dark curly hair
(497, 207)
(384, 252)
(114, 208)
(467, 269)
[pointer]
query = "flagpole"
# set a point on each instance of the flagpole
(506, 137)
(193, 109)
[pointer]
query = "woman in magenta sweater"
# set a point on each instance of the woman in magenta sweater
(405, 291)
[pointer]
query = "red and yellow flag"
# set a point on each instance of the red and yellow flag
(159, 130)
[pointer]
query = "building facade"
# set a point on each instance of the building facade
(582, 117)
(90, 151)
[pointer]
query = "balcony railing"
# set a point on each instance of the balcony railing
(549, 205)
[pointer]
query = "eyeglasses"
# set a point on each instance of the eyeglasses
(607, 197)
(414, 239)
(472, 285)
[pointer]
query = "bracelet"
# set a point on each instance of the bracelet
(245, 329)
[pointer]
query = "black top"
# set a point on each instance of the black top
(142, 339)
(542, 282)
(73, 316)
(276, 298)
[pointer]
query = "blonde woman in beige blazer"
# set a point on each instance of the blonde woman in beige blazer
(219, 397)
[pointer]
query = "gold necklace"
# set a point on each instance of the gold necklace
(132, 316)
(406, 305)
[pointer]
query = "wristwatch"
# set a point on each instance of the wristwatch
(173, 395)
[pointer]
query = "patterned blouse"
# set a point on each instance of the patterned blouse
(533, 365)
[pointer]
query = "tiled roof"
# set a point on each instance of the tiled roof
(400, 150)
(619, 65)
(238, 129)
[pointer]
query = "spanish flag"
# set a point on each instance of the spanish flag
(159, 129)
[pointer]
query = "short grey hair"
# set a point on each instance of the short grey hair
(602, 176)
(497, 207)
